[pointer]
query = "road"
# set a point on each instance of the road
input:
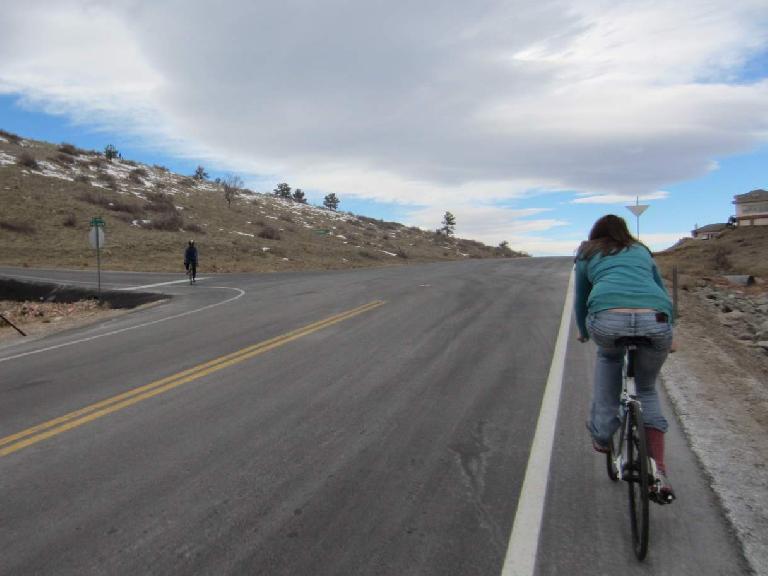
(341, 423)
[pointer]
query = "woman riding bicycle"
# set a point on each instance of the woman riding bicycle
(619, 292)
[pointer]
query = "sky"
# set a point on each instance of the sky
(526, 120)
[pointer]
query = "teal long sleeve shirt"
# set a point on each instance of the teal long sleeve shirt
(628, 279)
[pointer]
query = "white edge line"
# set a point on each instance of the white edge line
(523, 545)
(121, 330)
(155, 285)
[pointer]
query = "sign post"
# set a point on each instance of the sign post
(637, 210)
(96, 237)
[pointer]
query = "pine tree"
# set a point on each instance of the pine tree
(110, 152)
(331, 201)
(282, 190)
(200, 174)
(298, 196)
(449, 223)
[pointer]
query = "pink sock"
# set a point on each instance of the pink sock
(655, 439)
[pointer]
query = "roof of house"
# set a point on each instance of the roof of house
(754, 196)
(710, 228)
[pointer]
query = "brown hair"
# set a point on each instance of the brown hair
(609, 235)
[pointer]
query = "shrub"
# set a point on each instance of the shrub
(18, 227)
(127, 218)
(401, 253)
(27, 160)
(124, 205)
(171, 221)
(722, 261)
(64, 159)
(70, 149)
(160, 202)
(269, 233)
(10, 136)
(70, 221)
(194, 228)
(108, 180)
(137, 174)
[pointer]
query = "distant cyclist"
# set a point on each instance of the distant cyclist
(190, 260)
(619, 292)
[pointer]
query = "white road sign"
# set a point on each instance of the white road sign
(92, 237)
(638, 209)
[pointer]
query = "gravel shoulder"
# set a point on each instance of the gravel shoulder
(718, 384)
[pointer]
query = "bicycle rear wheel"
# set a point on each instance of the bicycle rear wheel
(637, 480)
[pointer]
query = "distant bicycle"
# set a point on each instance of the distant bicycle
(628, 457)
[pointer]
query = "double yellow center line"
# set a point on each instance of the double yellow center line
(35, 434)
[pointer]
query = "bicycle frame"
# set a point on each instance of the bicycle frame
(627, 398)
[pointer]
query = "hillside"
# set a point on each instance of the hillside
(741, 250)
(49, 193)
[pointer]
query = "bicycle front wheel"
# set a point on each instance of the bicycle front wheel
(637, 480)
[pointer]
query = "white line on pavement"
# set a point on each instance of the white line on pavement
(524, 540)
(158, 284)
(121, 330)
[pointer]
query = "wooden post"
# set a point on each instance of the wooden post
(19, 330)
(675, 295)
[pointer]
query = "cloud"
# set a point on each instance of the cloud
(438, 104)
(587, 198)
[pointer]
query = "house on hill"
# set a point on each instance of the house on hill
(752, 208)
(709, 231)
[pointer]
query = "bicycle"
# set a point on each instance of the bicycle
(192, 272)
(628, 457)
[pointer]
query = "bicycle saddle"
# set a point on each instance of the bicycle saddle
(626, 341)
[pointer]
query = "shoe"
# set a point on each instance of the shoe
(663, 492)
(602, 448)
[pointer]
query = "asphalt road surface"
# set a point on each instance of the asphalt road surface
(331, 423)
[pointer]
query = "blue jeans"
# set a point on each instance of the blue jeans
(604, 328)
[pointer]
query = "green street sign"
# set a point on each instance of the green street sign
(321, 231)
(97, 222)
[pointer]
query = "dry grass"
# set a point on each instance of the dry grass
(739, 251)
(258, 233)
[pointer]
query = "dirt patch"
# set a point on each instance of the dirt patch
(38, 309)
(38, 319)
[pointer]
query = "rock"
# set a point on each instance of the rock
(740, 280)
(762, 331)
(731, 318)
